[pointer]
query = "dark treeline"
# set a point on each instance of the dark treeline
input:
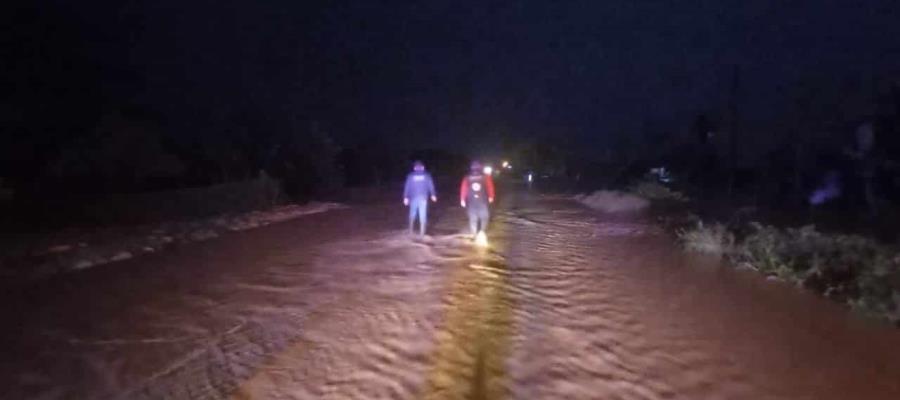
(152, 96)
(833, 147)
(114, 99)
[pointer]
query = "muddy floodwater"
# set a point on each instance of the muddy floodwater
(565, 303)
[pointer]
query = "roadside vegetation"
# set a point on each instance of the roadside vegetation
(851, 269)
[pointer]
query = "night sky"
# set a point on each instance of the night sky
(439, 73)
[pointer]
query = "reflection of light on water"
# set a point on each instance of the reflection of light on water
(493, 273)
(481, 239)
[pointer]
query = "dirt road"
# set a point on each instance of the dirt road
(564, 304)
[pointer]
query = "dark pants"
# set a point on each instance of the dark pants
(479, 214)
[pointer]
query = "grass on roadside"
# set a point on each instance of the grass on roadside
(715, 239)
(850, 269)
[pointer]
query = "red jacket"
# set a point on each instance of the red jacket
(466, 184)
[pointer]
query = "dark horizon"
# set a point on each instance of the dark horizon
(578, 68)
(591, 79)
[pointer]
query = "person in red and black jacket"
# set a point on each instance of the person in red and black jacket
(476, 193)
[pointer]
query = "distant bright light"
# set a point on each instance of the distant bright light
(530, 177)
(506, 164)
(481, 239)
(488, 170)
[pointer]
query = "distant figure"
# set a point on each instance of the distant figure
(830, 189)
(419, 187)
(476, 193)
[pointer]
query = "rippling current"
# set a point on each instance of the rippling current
(564, 304)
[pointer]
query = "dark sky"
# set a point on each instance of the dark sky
(451, 72)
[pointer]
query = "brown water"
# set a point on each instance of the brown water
(565, 303)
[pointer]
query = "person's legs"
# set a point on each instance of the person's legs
(484, 215)
(412, 214)
(423, 215)
(473, 219)
(477, 217)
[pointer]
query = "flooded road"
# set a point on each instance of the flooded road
(565, 303)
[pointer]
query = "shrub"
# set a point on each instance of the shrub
(850, 269)
(764, 250)
(715, 239)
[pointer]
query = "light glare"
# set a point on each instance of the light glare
(481, 239)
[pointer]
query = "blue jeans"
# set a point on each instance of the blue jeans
(478, 216)
(418, 206)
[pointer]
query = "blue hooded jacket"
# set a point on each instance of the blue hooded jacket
(418, 185)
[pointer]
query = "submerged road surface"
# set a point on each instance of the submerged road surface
(564, 304)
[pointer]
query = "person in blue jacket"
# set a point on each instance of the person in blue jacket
(418, 189)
